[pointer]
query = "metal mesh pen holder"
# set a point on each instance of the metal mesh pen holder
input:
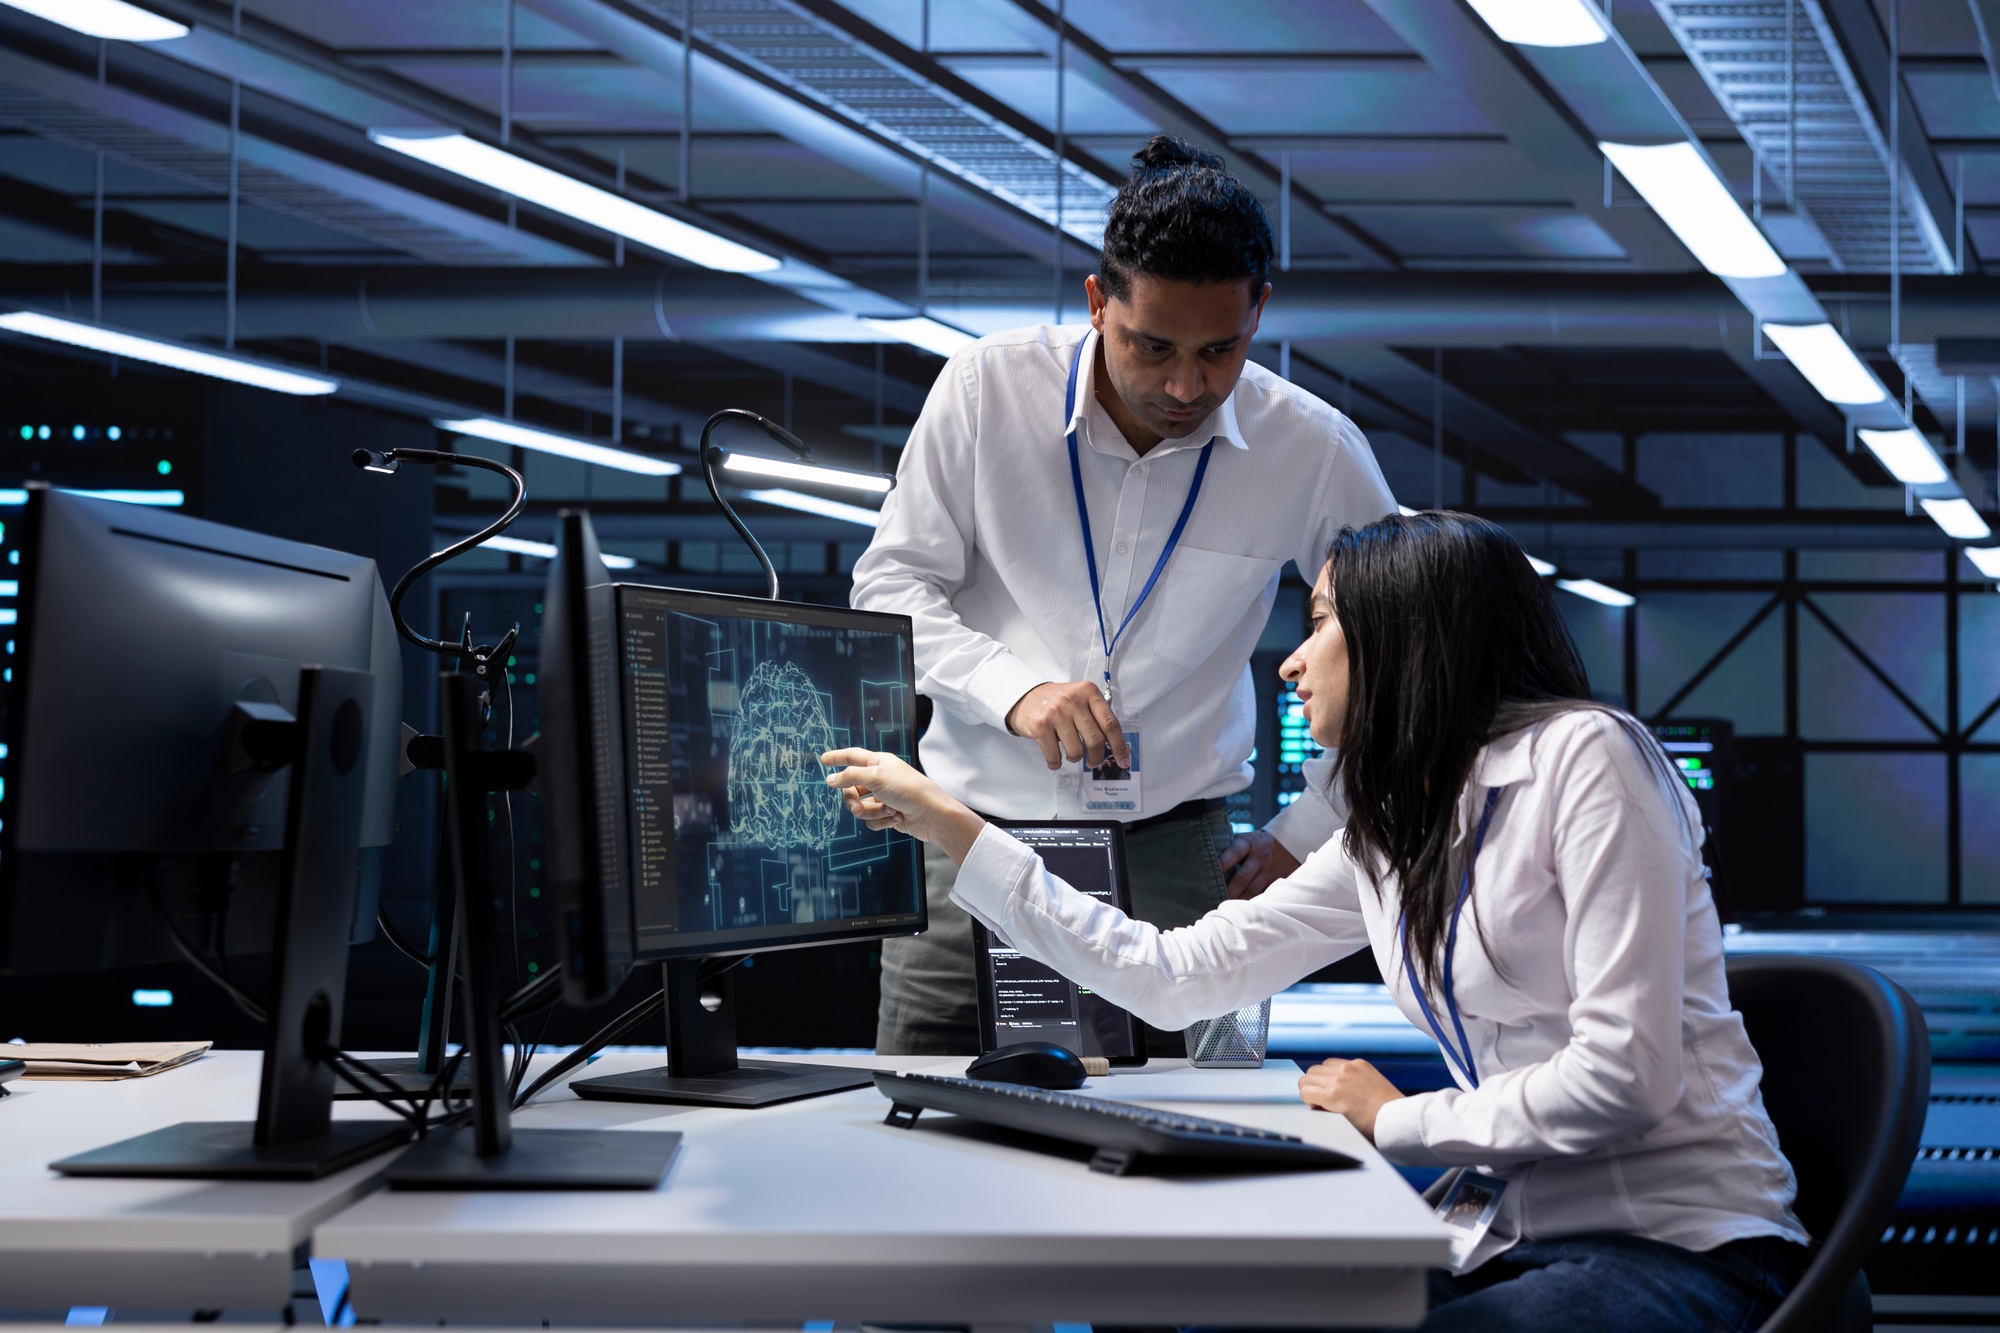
(1233, 1041)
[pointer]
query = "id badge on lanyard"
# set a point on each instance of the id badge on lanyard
(1108, 787)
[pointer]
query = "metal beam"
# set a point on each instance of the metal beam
(1456, 44)
(1414, 390)
(1986, 18)
(1548, 530)
(1038, 23)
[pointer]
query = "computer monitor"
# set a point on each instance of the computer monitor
(1703, 752)
(187, 696)
(732, 842)
(1022, 999)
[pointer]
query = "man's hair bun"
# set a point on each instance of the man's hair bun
(1165, 152)
(1183, 217)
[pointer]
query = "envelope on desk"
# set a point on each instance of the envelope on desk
(84, 1063)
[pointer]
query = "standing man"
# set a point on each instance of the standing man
(1087, 530)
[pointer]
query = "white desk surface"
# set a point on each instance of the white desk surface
(150, 1244)
(815, 1210)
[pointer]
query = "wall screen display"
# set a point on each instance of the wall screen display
(738, 841)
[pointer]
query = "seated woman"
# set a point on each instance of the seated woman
(1526, 866)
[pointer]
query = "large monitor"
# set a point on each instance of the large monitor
(199, 714)
(726, 839)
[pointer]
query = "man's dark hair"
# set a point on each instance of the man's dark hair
(1183, 218)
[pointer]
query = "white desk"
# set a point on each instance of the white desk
(150, 1244)
(817, 1210)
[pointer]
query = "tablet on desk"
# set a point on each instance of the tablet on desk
(1023, 1000)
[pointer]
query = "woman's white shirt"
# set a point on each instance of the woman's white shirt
(1617, 1088)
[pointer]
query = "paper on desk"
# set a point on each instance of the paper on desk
(88, 1063)
(1277, 1081)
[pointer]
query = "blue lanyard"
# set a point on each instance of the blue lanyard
(1110, 641)
(1461, 1058)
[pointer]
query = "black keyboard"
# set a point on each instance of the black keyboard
(1123, 1134)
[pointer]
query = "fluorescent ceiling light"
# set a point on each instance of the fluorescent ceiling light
(1907, 455)
(1678, 183)
(813, 504)
(176, 356)
(1542, 567)
(806, 472)
(925, 332)
(1597, 592)
(558, 193)
(544, 551)
(1406, 511)
(1986, 559)
(1958, 518)
(1542, 22)
(1828, 363)
(584, 451)
(161, 499)
(113, 20)
(164, 499)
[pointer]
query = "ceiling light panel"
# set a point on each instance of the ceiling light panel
(1677, 182)
(567, 446)
(1828, 363)
(173, 355)
(1542, 22)
(1597, 592)
(509, 174)
(1907, 455)
(112, 20)
(815, 504)
(1957, 518)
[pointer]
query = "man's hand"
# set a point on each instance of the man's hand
(1352, 1087)
(1070, 720)
(1259, 861)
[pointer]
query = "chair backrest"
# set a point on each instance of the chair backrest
(1847, 1076)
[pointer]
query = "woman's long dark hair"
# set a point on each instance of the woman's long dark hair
(1452, 640)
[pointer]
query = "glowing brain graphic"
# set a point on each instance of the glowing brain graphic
(778, 795)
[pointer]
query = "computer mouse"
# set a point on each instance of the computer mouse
(1039, 1064)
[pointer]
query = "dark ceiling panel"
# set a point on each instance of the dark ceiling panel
(1400, 97)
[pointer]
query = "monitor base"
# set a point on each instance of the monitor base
(409, 1080)
(539, 1159)
(752, 1083)
(224, 1150)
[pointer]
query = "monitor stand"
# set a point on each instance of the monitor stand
(490, 1154)
(702, 1068)
(294, 1136)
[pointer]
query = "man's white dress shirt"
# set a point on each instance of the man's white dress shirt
(1617, 1088)
(980, 546)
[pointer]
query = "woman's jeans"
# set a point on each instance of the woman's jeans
(1620, 1283)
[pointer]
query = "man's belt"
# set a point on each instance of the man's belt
(1196, 809)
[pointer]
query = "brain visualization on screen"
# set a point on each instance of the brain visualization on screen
(737, 839)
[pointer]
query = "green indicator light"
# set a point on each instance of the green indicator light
(163, 467)
(533, 968)
(538, 608)
(530, 678)
(27, 432)
(534, 893)
(534, 865)
(510, 661)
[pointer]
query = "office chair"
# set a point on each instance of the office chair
(1847, 1076)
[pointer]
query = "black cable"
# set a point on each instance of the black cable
(531, 997)
(603, 1037)
(250, 1006)
(708, 459)
(385, 461)
(338, 1061)
(395, 937)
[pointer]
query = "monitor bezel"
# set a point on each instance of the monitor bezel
(982, 939)
(838, 617)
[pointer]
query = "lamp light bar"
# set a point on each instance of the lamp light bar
(545, 551)
(923, 331)
(113, 20)
(1597, 592)
(1958, 518)
(509, 174)
(1542, 567)
(1828, 363)
(813, 504)
(1679, 185)
(806, 472)
(1907, 455)
(584, 451)
(173, 355)
(1986, 559)
(1542, 22)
